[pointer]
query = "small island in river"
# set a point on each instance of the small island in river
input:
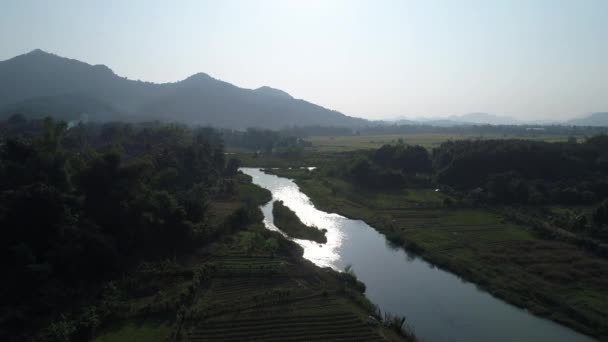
(288, 222)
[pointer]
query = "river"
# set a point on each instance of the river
(439, 305)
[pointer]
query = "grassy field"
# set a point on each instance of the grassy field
(554, 279)
(427, 140)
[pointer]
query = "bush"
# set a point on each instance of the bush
(600, 215)
(400, 326)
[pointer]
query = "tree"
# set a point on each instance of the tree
(232, 167)
(272, 246)
(17, 119)
(362, 172)
(600, 215)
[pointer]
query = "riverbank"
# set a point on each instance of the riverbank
(550, 278)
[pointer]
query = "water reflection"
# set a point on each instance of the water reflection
(321, 254)
(440, 305)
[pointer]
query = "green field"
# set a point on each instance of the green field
(551, 278)
(427, 140)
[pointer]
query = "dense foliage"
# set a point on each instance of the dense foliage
(78, 205)
(265, 141)
(600, 215)
(389, 167)
(523, 171)
(505, 171)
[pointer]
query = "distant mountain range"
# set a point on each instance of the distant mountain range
(593, 119)
(459, 120)
(41, 84)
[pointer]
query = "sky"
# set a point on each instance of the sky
(528, 59)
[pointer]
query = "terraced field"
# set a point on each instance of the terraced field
(261, 298)
(318, 327)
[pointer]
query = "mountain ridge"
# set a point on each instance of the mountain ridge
(197, 99)
(42, 83)
(593, 119)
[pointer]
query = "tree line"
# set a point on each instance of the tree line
(80, 204)
(523, 171)
(389, 167)
(264, 141)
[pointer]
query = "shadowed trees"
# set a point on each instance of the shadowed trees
(80, 205)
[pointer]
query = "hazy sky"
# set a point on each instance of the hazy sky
(374, 59)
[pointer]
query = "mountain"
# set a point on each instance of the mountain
(65, 107)
(444, 122)
(272, 92)
(470, 119)
(458, 120)
(593, 119)
(483, 119)
(599, 119)
(40, 83)
(400, 120)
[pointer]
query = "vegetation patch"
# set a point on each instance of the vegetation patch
(137, 332)
(287, 220)
(250, 192)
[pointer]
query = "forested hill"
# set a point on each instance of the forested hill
(41, 84)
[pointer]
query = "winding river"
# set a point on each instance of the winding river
(438, 305)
